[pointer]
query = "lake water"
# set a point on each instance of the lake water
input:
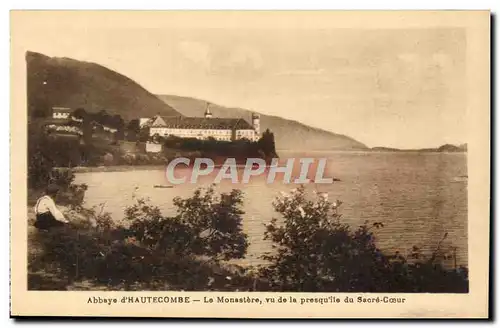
(417, 196)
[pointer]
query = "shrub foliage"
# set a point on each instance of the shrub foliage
(206, 224)
(152, 250)
(313, 250)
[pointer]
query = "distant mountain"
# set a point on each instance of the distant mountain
(447, 148)
(289, 134)
(66, 82)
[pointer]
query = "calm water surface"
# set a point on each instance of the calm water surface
(419, 197)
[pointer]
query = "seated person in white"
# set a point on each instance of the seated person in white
(47, 213)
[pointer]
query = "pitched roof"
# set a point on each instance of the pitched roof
(63, 109)
(181, 122)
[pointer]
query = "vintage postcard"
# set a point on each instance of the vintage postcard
(250, 164)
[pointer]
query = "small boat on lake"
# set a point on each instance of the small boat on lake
(162, 186)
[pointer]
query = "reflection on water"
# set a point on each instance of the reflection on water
(419, 197)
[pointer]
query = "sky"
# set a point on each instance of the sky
(394, 87)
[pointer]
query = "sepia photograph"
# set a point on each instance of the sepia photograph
(217, 153)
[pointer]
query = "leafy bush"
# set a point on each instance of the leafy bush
(46, 153)
(239, 149)
(315, 251)
(152, 250)
(40, 163)
(72, 196)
